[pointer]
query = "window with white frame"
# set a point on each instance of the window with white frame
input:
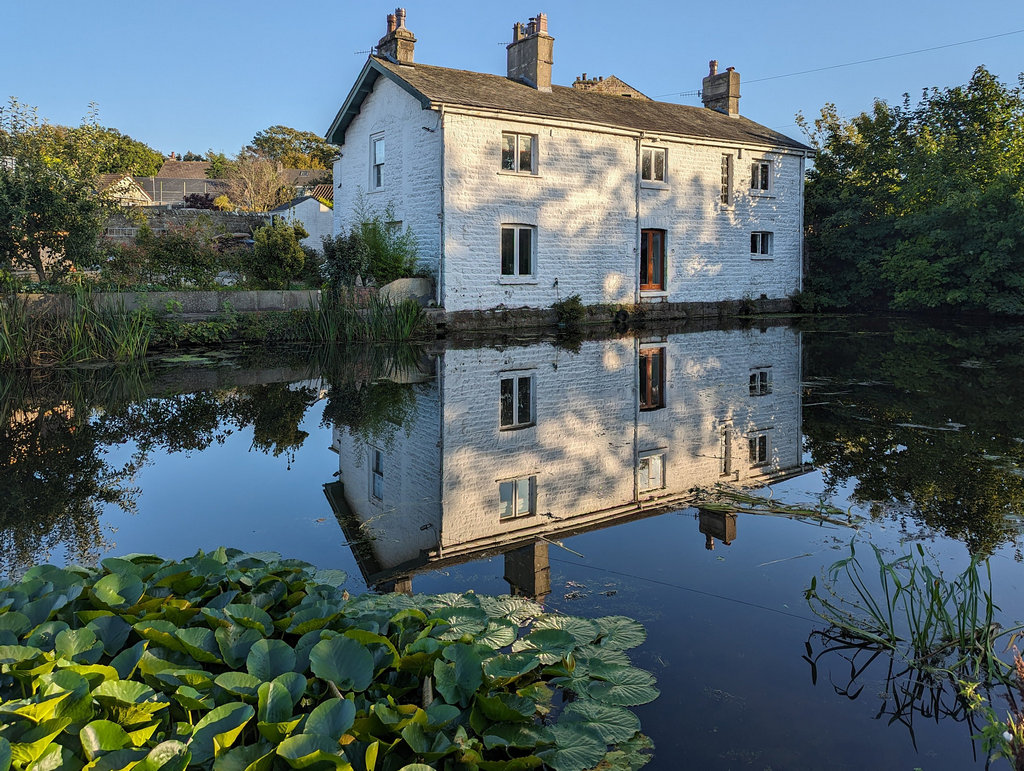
(761, 176)
(376, 474)
(652, 164)
(727, 170)
(517, 497)
(760, 381)
(650, 472)
(377, 162)
(761, 243)
(517, 250)
(758, 449)
(516, 405)
(519, 153)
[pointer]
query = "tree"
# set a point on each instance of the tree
(292, 148)
(256, 184)
(277, 256)
(191, 156)
(220, 165)
(921, 207)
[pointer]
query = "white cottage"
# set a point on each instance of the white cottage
(521, 192)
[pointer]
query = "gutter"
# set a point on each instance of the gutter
(636, 244)
(439, 289)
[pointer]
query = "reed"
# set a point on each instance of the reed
(948, 628)
(342, 318)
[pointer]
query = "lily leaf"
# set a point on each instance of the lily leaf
(218, 729)
(332, 718)
(344, 661)
(102, 736)
(269, 658)
(614, 724)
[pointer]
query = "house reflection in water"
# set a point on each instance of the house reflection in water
(511, 448)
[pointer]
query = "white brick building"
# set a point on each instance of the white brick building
(515, 445)
(521, 192)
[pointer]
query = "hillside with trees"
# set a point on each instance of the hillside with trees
(920, 207)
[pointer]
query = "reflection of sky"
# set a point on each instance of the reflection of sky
(229, 495)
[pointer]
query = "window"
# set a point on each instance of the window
(758, 445)
(377, 162)
(652, 164)
(650, 473)
(652, 378)
(516, 402)
(652, 259)
(761, 244)
(760, 381)
(727, 179)
(517, 497)
(518, 153)
(377, 474)
(517, 250)
(726, 452)
(760, 176)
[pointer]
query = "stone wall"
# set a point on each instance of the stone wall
(122, 229)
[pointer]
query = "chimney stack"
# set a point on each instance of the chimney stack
(721, 90)
(530, 53)
(397, 45)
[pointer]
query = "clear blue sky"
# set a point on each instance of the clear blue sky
(197, 75)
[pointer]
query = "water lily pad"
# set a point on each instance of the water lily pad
(552, 645)
(332, 718)
(119, 590)
(269, 658)
(305, 750)
(218, 728)
(621, 633)
(583, 630)
(102, 736)
(614, 724)
(577, 748)
(344, 661)
(622, 686)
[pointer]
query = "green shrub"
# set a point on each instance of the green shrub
(277, 256)
(231, 660)
(177, 258)
(571, 310)
(344, 259)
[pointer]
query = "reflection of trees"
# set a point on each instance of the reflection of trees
(894, 402)
(56, 430)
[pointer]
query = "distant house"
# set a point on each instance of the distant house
(313, 214)
(122, 189)
(521, 192)
(304, 180)
(178, 179)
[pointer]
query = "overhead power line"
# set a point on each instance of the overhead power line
(862, 61)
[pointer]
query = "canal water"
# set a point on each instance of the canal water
(696, 479)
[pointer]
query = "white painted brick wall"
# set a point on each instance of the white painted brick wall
(582, 201)
(411, 171)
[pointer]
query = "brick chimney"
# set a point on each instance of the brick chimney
(398, 43)
(530, 53)
(721, 90)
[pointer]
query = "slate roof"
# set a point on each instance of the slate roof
(183, 169)
(434, 86)
(304, 176)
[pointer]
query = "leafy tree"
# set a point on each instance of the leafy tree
(292, 148)
(220, 165)
(921, 207)
(277, 256)
(191, 156)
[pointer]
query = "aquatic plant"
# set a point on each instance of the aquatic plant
(229, 660)
(946, 633)
(343, 317)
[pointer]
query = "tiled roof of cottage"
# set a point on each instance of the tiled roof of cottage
(304, 176)
(441, 85)
(176, 169)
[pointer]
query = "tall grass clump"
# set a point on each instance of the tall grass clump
(78, 332)
(16, 339)
(341, 317)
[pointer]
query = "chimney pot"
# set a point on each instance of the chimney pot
(542, 23)
(399, 43)
(391, 23)
(400, 17)
(730, 69)
(713, 67)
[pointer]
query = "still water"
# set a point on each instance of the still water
(574, 471)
